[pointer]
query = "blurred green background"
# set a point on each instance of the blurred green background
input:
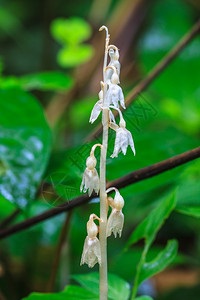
(51, 56)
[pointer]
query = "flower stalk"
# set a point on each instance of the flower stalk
(110, 97)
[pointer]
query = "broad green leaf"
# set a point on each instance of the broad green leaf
(44, 81)
(74, 292)
(9, 82)
(153, 222)
(39, 296)
(125, 264)
(117, 287)
(144, 298)
(189, 210)
(72, 56)
(163, 259)
(25, 142)
(70, 31)
(71, 292)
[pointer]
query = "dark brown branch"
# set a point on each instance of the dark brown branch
(55, 265)
(126, 180)
(154, 73)
(7, 220)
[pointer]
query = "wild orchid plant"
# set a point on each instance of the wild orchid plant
(110, 96)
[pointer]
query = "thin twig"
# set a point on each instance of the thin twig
(61, 241)
(7, 220)
(154, 73)
(121, 182)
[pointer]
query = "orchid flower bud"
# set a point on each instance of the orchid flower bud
(116, 219)
(90, 179)
(114, 60)
(91, 249)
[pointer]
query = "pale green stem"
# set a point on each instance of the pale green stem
(103, 285)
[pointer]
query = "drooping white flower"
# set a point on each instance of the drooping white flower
(123, 137)
(114, 95)
(91, 249)
(90, 179)
(116, 219)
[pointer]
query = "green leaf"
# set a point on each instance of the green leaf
(46, 81)
(71, 292)
(70, 31)
(25, 143)
(153, 222)
(163, 259)
(39, 296)
(74, 292)
(73, 56)
(144, 298)
(117, 287)
(125, 264)
(189, 210)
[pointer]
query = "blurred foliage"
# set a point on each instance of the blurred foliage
(45, 81)
(164, 120)
(148, 230)
(25, 145)
(71, 33)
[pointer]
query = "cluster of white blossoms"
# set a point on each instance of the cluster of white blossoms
(110, 97)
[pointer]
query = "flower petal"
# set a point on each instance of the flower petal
(91, 252)
(131, 143)
(123, 140)
(117, 144)
(90, 181)
(95, 111)
(121, 98)
(115, 223)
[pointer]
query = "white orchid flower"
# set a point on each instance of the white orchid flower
(91, 249)
(116, 219)
(123, 137)
(114, 95)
